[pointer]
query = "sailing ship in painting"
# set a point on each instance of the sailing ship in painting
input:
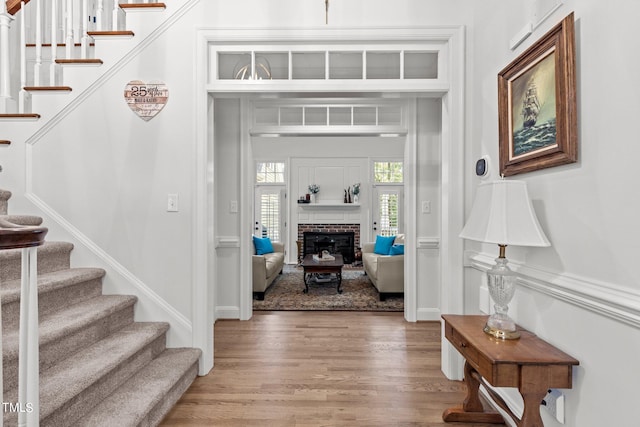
(536, 132)
(530, 106)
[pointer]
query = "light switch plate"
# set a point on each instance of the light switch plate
(172, 203)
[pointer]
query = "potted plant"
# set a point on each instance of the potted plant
(356, 192)
(313, 190)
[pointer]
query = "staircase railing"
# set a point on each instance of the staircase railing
(27, 238)
(53, 30)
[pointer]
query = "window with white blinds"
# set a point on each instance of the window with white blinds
(388, 204)
(269, 217)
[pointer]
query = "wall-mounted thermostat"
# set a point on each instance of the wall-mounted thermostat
(482, 166)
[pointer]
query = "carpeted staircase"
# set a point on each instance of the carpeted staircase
(97, 366)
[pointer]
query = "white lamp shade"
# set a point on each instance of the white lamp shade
(502, 213)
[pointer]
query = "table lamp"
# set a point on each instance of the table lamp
(502, 213)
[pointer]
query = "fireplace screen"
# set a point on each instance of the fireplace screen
(335, 242)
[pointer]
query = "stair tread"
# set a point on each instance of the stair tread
(15, 116)
(69, 320)
(10, 290)
(79, 61)
(142, 5)
(71, 376)
(48, 246)
(129, 404)
(22, 219)
(47, 88)
(120, 33)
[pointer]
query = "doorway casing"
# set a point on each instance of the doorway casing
(451, 93)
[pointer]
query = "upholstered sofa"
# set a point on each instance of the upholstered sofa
(266, 268)
(386, 272)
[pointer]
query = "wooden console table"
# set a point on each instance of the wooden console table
(529, 363)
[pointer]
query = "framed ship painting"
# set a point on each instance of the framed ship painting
(537, 104)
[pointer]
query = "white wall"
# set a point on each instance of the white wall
(582, 294)
(227, 188)
(429, 190)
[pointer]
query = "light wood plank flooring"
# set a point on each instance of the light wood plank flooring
(322, 369)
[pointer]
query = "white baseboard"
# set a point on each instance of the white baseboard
(428, 314)
(228, 312)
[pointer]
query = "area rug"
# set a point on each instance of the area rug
(358, 294)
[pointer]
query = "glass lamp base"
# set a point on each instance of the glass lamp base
(502, 285)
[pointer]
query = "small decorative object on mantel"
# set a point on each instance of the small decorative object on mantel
(146, 99)
(356, 192)
(347, 195)
(313, 190)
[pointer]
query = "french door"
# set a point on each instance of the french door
(269, 216)
(387, 214)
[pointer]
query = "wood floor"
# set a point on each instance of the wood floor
(322, 369)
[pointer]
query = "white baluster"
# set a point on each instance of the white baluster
(99, 13)
(23, 97)
(68, 42)
(77, 21)
(116, 12)
(53, 68)
(5, 70)
(84, 19)
(37, 68)
(28, 364)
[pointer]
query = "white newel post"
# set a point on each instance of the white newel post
(6, 102)
(28, 364)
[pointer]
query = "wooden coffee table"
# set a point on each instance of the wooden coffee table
(312, 268)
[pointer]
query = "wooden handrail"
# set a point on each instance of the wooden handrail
(13, 6)
(14, 236)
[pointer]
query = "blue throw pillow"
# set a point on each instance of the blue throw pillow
(383, 244)
(396, 250)
(263, 245)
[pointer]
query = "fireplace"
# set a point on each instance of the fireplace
(341, 242)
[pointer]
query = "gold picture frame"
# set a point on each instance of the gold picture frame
(537, 105)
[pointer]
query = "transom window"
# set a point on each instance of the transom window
(388, 173)
(270, 173)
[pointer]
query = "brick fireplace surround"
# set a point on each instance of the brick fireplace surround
(330, 228)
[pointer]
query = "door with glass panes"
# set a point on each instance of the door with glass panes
(270, 193)
(388, 198)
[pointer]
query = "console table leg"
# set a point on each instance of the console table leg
(472, 410)
(533, 389)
